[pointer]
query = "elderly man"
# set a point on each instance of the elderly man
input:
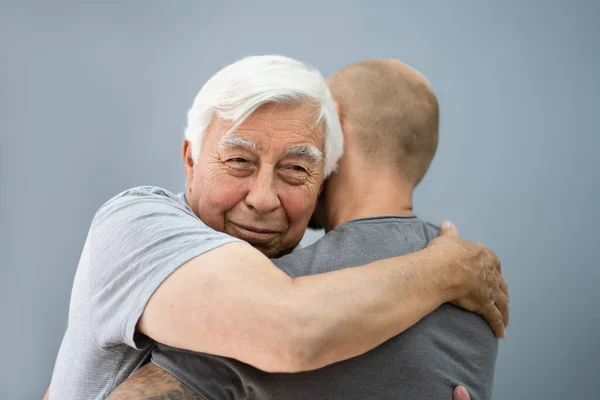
(184, 270)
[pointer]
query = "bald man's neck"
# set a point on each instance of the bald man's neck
(363, 192)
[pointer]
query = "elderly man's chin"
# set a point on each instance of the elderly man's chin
(271, 242)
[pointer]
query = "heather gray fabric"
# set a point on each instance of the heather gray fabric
(135, 241)
(447, 348)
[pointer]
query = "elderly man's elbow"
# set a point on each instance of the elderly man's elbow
(302, 350)
(305, 356)
(288, 361)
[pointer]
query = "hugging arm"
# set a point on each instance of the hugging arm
(153, 382)
(233, 302)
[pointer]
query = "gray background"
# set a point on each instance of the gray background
(93, 99)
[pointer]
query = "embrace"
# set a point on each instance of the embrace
(205, 294)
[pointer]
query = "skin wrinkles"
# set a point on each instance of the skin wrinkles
(311, 153)
(296, 129)
(262, 180)
(231, 142)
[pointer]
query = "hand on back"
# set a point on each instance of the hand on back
(479, 276)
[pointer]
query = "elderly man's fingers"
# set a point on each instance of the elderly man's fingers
(503, 285)
(498, 262)
(504, 288)
(448, 228)
(502, 305)
(460, 393)
(495, 319)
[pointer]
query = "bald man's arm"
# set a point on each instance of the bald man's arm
(153, 382)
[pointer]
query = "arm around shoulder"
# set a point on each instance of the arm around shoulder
(233, 302)
(230, 301)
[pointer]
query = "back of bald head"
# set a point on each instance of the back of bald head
(391, 110)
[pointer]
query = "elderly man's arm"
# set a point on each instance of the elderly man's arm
(233, 302)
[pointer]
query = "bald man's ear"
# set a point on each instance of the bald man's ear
(340, 111)
(341, 115)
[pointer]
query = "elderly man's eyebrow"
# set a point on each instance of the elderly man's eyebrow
(310, 152)
(232, 140)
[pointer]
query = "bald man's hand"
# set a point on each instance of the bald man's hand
(460, 393)
(478, 275)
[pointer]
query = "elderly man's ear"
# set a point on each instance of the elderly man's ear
(188, 161)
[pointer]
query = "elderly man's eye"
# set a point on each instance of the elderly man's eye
(238, 160)
(239, 166)
(294, 174)
(298, 168)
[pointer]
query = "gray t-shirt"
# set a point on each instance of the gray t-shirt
(447, 348)
(136, 240)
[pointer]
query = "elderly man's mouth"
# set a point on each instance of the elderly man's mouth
(254, 234)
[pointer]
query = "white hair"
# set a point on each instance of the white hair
(241, 88)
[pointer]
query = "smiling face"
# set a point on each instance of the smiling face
(260, 182)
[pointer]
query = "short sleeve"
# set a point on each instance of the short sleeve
(136, 240)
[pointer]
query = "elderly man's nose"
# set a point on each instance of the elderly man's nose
(262, 195)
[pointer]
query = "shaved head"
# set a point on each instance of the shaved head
(390, 113)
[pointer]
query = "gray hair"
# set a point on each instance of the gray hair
(241, 88)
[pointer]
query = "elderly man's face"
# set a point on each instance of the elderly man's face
(259, 183)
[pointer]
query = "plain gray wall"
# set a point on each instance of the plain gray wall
(93, 101)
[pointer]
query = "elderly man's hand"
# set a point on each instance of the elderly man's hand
(482, 288)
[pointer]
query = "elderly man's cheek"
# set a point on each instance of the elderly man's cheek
(228, 193)
(299, 205)
(224, 195)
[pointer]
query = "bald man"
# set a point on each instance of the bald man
(390, 119)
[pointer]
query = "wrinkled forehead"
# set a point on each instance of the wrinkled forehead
(293, 131)
(233, 141)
